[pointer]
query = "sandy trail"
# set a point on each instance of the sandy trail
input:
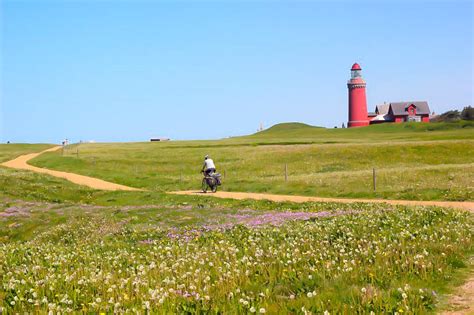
(462, 301)
(465, 205)
(21, 163)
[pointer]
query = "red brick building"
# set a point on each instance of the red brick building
(400, 112)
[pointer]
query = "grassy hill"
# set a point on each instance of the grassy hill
(304, 129)
(412, 161)
(288, 127)
(303, 133)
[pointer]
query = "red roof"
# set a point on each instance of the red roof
(356, 67)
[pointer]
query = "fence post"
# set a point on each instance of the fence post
(286, 172)
(77, 153)
(374, 178)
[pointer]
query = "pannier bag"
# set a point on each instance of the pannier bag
(217, 176)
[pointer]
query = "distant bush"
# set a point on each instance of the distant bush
(467, 113)
(449, 116)
(455, 115)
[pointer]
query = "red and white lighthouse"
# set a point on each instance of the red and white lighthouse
(358, 116)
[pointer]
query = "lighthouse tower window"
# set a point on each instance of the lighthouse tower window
(355, 74)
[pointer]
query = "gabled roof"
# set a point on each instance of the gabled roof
(382, 109)
(399, 108)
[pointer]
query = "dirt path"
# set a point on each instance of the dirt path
(95, 183)
(461, 302)
(242, 195)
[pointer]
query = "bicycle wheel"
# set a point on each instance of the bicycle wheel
(204, 185)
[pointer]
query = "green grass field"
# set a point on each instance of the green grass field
(69, 249)
(420, 162)
(10, 151)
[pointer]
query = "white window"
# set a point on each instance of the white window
(413, 118)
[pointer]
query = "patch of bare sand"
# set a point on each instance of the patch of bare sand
(461, 302)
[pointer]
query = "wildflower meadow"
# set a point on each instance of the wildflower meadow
(367, 260)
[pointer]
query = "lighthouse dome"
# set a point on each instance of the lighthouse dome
(356, 66)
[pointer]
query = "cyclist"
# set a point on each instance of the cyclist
(208, 168)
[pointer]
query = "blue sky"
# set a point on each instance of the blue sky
(130, 70)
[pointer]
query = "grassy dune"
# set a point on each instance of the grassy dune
(322, 162)
(302, 133)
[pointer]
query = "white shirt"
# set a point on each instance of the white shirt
(209, 163)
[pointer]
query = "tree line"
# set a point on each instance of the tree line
(454, 115)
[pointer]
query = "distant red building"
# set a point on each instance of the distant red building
(400, 112)
(391, 112)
